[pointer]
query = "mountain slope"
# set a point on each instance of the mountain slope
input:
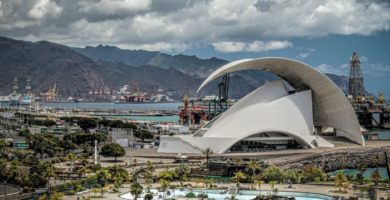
(188, 64)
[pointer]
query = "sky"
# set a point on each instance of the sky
(320, 33)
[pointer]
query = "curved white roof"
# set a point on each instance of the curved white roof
(330, 106)
(270, 109)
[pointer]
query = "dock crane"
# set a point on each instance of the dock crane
(380, 98)
(220, 101)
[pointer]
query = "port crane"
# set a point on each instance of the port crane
(380, 98)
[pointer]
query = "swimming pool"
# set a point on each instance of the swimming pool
(246, 195)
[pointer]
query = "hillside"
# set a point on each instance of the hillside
(191, 65)
(75, 74)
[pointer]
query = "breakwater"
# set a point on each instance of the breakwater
(339, 159)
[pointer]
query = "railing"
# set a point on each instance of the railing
(10, 191)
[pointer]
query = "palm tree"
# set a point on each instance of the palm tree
(103, 175)
(272, 184)
(253, 165)
(148, 163)
(151, 169)
(84, 170)
(377, 159)
(95, 190)
(49, 173)
(375, 176)
(345, 186)
(238, 161)
(183, 169)
(102, 191)
(134, 161)
(238, 175)
(207, 152)
(340, 180)
(70, 156)
(196, 180)
(362, 167)
(173, 188)
(259, 182)
(164, 185)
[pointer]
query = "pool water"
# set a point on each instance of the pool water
(246, 195)
(366, 174)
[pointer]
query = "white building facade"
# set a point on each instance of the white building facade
(271, 118)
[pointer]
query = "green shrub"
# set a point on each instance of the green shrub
(317, 179)
(115, 190)
(71, 192)
(190, 195)
(98, 186)
(148, 196)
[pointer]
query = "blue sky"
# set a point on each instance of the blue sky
(322, 33)
(329, 54)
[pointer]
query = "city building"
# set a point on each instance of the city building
(271, 117)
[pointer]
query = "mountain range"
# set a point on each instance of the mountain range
(75, 71)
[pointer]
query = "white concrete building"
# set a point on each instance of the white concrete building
(270, 118)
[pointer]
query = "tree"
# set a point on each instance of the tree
(375, 176)
(340, 180)
(104, 122)
(238, 161)
(102, 191)
(207, 152)
(272, 184)
(291, 175)
(173, 187)
(238, 175)
(362, 167)
(377, 159)
(86, 123)
(84, 170)
(136, 189)
(49, 173)
(183, 169)
(143, 134)
(253, 165)
(129, 125)
(70, 156)
(113, 150)
(116, 123)
(168, 175)
(273, 173)
(103, 175)
(259, 182)
(48, 122)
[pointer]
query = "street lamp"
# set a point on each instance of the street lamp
(5, 185)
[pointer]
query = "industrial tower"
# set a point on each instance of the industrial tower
(28, 85)
(16, 85)
(355, 78)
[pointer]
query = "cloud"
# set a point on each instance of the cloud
(239, 25)
(346, 65)
(43, 8)
(324, 68)
(303, 55)
(256, 46)
(363, 59)
(375, 69)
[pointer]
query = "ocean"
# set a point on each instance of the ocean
(382, 134)
(109, 105)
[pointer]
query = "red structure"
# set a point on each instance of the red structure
(135, 87)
